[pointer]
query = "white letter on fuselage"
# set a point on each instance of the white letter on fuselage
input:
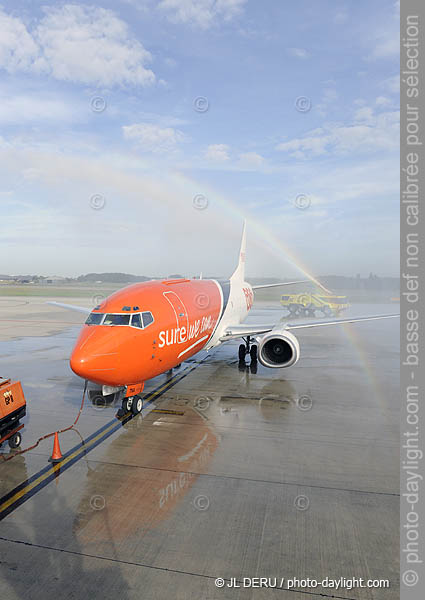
(161, 339)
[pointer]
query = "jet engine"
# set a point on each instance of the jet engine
(278, 349)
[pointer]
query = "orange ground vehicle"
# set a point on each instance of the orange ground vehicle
(12, 408)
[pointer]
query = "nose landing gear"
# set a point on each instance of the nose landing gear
(132, 404)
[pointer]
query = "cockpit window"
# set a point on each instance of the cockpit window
(140, 320)
(136, 320)
(117, 320)
(94, 319)
(147, 319)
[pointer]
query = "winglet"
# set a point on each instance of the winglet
(239, 272)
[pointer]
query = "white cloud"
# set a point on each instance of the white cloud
(83, 44)
(217, 152)
(163, 120)
(383, 101)
(299, 52)
(366, 179)
(251, 160)
(21, 109)
(152, 138)
(386, 47)
(391, 84)
(299, 147)
(364, 114)
(368, 133)
(329, 96)
(17, 47)
(203, 13)
(91, 45)
(386, 43)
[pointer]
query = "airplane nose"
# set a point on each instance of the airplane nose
(94, 359)
(100, 368)
(107, 356)
(80, 364)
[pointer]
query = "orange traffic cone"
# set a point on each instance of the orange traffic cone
(56, 454)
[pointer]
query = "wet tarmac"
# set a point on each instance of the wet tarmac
(275, 473)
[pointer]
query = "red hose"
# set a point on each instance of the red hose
(44, 437)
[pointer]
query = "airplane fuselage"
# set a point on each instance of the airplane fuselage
(148, 328)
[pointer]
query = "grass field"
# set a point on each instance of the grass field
(90, 291)
(62, 291)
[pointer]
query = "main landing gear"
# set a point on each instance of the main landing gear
(248, 348)
(132, 404)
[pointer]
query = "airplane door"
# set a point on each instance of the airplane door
(179, 309)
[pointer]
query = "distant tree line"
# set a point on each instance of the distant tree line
(111, 278)
(332, 282)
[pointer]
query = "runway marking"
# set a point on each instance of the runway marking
(165, 411)
(147, 410)
(24, 491)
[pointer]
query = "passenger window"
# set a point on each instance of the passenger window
(136, 320)
(117, 320)
(147, 319)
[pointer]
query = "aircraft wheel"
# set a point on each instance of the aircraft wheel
(98, 401)
(242, 352)
(254, 353)
(127, 404)
(15, 440)
(136, 405)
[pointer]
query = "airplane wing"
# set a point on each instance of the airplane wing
(270, 285)
(238, 331)
(338, 321)
(80, 309)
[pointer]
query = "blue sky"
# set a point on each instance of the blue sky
(294, 98)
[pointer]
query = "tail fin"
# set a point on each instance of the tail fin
(239, 272)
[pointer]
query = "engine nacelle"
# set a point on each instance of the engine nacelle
(278, 349)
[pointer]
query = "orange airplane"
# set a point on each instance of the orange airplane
(148, 328)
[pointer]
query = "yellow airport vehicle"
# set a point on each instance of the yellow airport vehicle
(309, 304)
